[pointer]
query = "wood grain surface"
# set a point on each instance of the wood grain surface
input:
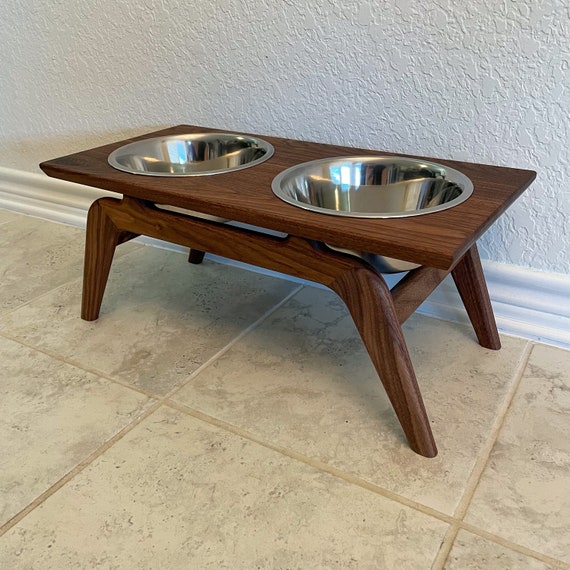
(436, 240)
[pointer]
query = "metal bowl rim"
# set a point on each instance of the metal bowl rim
(462, 179)
(268, 147)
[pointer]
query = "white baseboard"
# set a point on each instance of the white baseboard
(43, 197)
(527, 303)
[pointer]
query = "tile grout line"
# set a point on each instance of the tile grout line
(70, 281)
(446, 546)
(481, 463)
(505, 543)
(79, 366)
(559, 564)
(232, 342)
(314, 463)
(498, 424)
(41, 296)
(159, 401)
(133, 387)
(7, 221)
(77, 469)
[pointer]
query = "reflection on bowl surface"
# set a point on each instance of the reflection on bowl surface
(372, 187)
(191, 155)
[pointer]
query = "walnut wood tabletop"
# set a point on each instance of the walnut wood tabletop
(442, 243)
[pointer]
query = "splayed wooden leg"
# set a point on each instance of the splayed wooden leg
(102, 237)
(196, 256)
(470, 281)
(372, 308)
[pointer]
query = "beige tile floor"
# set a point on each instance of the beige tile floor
(219, 418)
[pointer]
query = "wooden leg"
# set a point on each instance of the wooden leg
(102, 237)
(196, 256)
(470, 281)
(372, 308)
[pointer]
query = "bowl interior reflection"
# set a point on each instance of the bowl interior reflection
(191, 154)
(372, 187)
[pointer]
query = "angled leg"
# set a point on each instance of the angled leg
(196, 256)
(470, 281)
(102, 237)
(370, 303)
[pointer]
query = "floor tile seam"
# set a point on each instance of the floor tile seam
(193, 375)
(38, 298)
(77, 469)
(314, 463)
(516, 547)
(484, 455)
(446, 546)
(79, 366)
(152, 395)
(451, 536)
(68, 282)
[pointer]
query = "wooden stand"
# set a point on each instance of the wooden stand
(440, 243)
(377, 312)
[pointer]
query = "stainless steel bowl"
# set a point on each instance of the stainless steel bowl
(372, 187)
(191, 155)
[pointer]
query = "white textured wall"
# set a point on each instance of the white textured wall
(482, 81)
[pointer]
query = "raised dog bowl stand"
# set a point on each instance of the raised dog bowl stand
(440, 243)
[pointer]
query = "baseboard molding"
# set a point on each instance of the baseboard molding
(527, 303)
(43, 197)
